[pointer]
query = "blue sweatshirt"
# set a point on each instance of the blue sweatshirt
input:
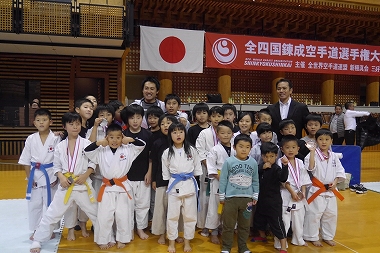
(239, 179)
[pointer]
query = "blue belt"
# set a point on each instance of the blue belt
(41, 167)
(183, 177)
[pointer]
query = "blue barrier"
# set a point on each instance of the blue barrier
(351, 160)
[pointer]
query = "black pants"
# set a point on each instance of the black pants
(349, 137)
(336, 140)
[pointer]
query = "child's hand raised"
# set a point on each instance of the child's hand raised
(284, 160)
(311, 146)
(98, 121)
(102, 142)
(267, 165)
(127, 140)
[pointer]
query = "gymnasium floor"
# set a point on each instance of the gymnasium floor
(358, 220)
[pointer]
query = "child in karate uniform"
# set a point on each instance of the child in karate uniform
(114, 156)
(180, 163)
(72, 168)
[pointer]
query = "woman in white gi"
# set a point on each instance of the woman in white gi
(180, 163)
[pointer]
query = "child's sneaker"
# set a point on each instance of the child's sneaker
(353, 187)
(360, 189)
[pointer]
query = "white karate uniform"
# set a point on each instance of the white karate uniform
(296, 216)
(79, 194)
(204, 143)
(323, 212)
(37, 152)
(116, 204)
(215, 160)
(182, 197)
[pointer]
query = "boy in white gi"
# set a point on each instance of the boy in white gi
(72, 168)
(37, 158)
(180, 163)
(215, 160)
(114, 156)
(294, 191)
(238, 191)
(327, 171)
(139, 174)
(206, 140)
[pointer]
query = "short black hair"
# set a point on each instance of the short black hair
(114, 127)
(263, 127)
(79, 102)
(172, 96)
(323, 131)
(42, 112)
(229, 107)
(242, 137)
(313, 117)
(155, 111)
(285, 122)
(70, 117)
(200, 107)
(285, 81)
(115, 104)
(264, 111)
(130, 111)
(268, 147)
(225, 123)
(339, 105)
(348, 104)
(216, 110)
(172, 118)
(104, 107)
(151, 79)
(243, 114)
(288, 138)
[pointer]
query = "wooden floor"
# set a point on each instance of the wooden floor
(358, 221)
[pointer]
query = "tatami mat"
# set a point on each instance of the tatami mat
(373, 186)
(14, 233)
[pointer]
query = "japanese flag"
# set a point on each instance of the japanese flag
(172, 50)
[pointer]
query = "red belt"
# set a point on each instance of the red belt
(322, 188)
(111, 182)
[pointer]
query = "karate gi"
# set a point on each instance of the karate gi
(293, 212)
(116, 204)
(215, 159)
(79, 195)
(204, 143)
(36, 152)
(182, 197)
(323, 211)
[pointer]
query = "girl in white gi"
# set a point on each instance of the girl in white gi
(114, 156)
(294, 191)
(327, 172)
(206, 140)
(180, 163)
(72, 168)
(37, 158)
(215, 160)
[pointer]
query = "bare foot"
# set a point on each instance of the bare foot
(84, 229)
(35, 247)
(179, 239)
(70, 234)
(330, 242)
(103, 246)
(171, 248)
(305, 244)
(111, 244)
(32, 236)
(187, 247)
(120, 245)
(162, 239)
(317, 243)
(142, 234)
(215, 239)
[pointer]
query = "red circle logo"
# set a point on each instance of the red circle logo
(172, 49)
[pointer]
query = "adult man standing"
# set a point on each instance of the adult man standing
(287, 108)
(150, 88)
(337, 125)
(350, 122)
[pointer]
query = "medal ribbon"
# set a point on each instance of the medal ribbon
(73, 160)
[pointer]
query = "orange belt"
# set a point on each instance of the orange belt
(322, 188)
(111, 182)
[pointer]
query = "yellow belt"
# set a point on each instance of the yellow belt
(71, 187)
